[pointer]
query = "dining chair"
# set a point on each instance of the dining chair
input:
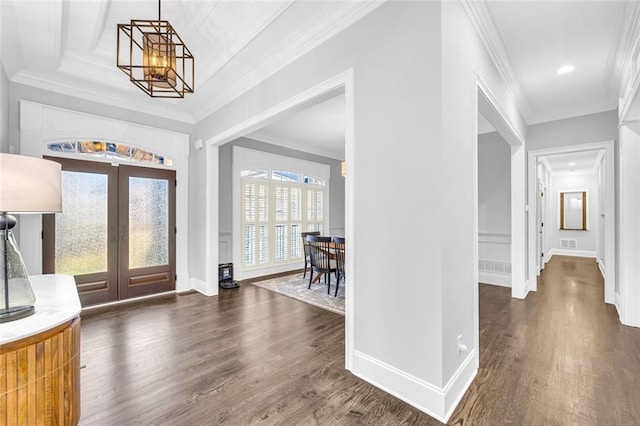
(321, 259)
(340, 261)
(305, 248)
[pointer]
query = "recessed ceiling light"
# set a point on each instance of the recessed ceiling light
(572, 164)
(565, 69)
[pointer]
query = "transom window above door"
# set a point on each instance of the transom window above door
(109, 150)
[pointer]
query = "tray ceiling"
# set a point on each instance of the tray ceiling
(69, 46)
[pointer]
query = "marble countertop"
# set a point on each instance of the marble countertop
(56, 303)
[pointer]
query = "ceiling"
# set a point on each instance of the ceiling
(534, 38)
(573, 161)
(69, 46)
(318, 129)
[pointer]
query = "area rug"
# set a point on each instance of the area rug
(295, 286)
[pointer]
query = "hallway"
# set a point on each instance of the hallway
(559, 357)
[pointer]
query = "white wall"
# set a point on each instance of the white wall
(415, 104)
(4, 110)
(463, 54)
(628, 290)
(599, 127)
(494, 186)
(494, 209)
(586, 240)
(397, 104)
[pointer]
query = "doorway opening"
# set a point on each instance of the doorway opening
(341, 83)
(580, 176)
(494, 206)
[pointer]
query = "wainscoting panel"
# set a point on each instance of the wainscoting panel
(225, 246)
(336, 232)
(494, 259)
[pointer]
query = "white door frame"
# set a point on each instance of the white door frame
(325, 90)
(488, 104)
(610, 208)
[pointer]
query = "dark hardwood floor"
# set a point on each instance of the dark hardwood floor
(251, 356)
(559, 357)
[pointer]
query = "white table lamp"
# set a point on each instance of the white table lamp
(27, 185)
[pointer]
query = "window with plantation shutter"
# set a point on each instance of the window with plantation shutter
(277, 205)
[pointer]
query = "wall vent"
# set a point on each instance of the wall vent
(493, 266)
(569, 244)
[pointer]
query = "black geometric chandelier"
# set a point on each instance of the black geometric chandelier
(157, 61)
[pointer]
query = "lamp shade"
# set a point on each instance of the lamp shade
(29, 185)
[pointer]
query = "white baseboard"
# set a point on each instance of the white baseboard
(520, 295)
(279, 269)
(495, 278)
(630, 319)
(433, 400)
(601, 267)
(577, 253)
(201, 287)
(617, 305)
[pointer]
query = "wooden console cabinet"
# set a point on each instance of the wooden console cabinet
(40, 358)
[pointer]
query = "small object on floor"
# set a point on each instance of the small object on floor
(229, 284)
(225, 276)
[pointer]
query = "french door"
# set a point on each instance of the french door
(116, 233)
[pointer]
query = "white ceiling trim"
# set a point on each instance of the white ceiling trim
(627, 45)
(157, 109)
(493, 42)
(295, 145)
(295, 46)
(238, 49)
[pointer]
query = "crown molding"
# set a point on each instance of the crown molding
(546, 164)
(627, 45)
(493, 42)
(114, 98)
(306, 38)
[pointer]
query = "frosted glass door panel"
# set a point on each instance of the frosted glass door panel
(81, 230)
(148, 222)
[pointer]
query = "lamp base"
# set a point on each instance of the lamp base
(15, 313)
